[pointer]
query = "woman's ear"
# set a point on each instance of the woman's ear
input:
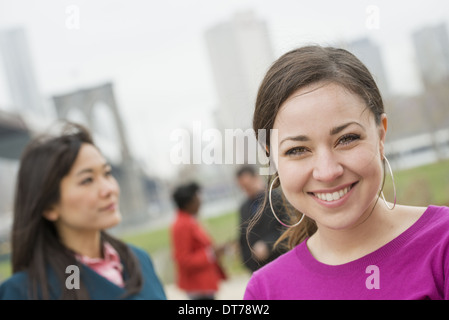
(51, 214)
(384, 120)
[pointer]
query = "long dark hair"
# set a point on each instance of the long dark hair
(36, 245)
(300, 68)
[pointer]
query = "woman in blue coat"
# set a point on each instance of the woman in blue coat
(66, 198)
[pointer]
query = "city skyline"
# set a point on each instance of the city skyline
(240, 51)
(19, 69)
(432, 52)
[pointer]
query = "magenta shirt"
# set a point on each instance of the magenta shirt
(415, 265)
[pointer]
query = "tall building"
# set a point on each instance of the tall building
(432, 52)
(370, 54)
(240, 53)
(19, 71)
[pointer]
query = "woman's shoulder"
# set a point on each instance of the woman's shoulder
(429, 224)
(142, 255)
(431, 209)
(275, 274)
(137, 250)
(439, 210)
(433, 216)
(152, 284)
(15, 287)
(280, 265)
(429, 216)
(438, 218)
(145, 260)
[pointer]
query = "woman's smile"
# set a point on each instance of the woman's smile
(334, 197)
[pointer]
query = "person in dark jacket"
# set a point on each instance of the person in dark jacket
(257, 246)
(66, 198)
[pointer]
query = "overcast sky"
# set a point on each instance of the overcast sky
(155, 52)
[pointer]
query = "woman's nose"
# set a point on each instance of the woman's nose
(107, 186)
(326, 167)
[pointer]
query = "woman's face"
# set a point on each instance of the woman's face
(328, 151)
(89, 194)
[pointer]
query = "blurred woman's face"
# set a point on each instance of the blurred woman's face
(194, 205)
(328, 151)
(89, 194)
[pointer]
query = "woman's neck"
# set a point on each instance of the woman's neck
(86, 243)
(376, 228)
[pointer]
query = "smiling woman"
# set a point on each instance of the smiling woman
(328, 150)
(65, 200)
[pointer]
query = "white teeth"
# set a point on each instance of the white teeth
(332, 196)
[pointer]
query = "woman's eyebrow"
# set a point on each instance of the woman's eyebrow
(339, 129)
(90, 170)
(295, 138)
(332, 132)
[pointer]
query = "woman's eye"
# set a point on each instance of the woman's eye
(348, 138)
(87, 181)
(108, 173)
(297, 151)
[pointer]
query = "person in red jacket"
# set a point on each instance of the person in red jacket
(197, 260)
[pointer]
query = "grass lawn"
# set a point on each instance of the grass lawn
(421, 186)
(5, 269)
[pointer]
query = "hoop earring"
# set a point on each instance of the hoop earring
(394, 186)
(274, 213)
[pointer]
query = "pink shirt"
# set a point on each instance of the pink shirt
(109, 267)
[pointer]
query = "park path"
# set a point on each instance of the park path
(231, 289)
